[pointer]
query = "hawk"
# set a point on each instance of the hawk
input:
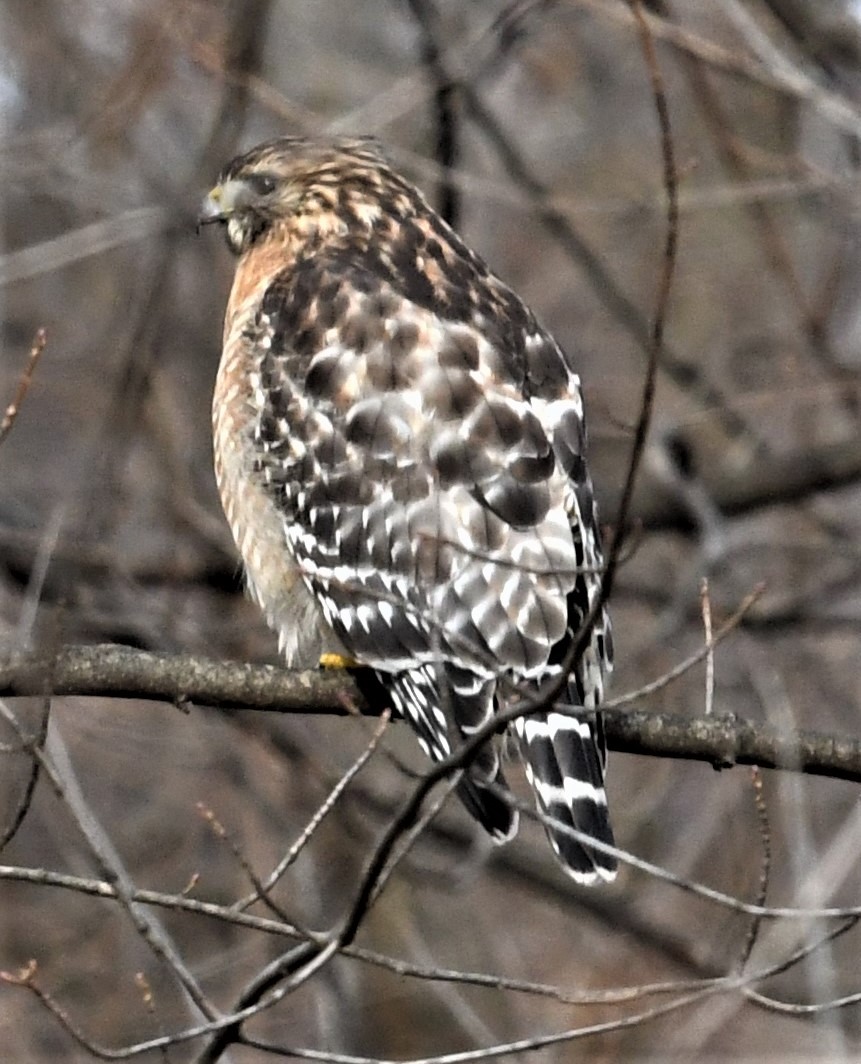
(400, 452)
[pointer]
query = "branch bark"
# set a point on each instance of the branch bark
(122, 672)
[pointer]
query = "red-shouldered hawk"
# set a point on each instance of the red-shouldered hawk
(400, 450)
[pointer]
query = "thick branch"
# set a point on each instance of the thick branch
(726, 740)
(121, 672)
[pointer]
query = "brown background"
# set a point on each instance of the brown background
(115, 118)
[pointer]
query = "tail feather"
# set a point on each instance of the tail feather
(444, 719)
(488, 807)
(564, 759)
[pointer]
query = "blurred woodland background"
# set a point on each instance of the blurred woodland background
(533, 123)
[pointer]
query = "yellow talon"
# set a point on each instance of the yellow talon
(337, 661)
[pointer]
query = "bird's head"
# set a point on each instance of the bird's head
(288, 178)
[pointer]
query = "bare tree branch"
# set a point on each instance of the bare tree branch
(122, 672)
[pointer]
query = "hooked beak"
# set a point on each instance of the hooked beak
(223, 200)
(213, 208)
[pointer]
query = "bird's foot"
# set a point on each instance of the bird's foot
(337, 661)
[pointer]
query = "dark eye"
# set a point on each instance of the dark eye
(263, 184)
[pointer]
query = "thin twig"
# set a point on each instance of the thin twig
(446, 148)
(24, 382)
(655, 350)
(37, 741)
(320, 814)
(836, 109)
(58, 771)
(776, 250)
(412, 835)
(729, 626)
(706, 604)
(221, 832)
(727, 984)
(765, 869)
(130, 227)
(688, 886)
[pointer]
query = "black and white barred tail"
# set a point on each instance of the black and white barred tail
(565, 758)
